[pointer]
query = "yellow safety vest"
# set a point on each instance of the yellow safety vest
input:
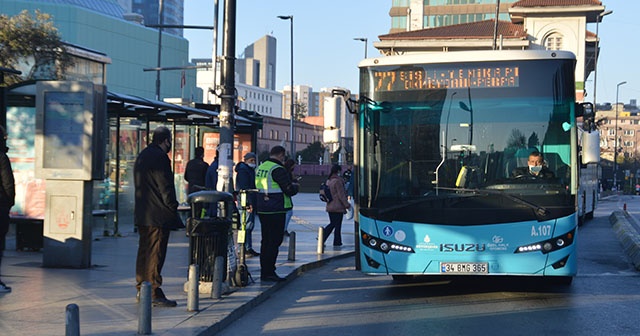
(271, 199)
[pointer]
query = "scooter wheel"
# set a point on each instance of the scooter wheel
(242, 276)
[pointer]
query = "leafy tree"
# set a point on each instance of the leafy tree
(313, 152)
(300, 110)
(517, 139)
(534, 141)
(32, 44)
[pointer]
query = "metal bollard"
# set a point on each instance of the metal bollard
(218, 272)
(72, 320)
(144, 309)
(292, 246)
(320, 240)
(193, 288)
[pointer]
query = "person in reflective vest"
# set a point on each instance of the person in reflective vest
(274, 200)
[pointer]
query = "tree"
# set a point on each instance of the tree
(517, 139)
(533, 141)
(300, 110)
(32, 44)
(313, 152)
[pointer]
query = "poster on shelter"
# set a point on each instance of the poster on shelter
(30, 191)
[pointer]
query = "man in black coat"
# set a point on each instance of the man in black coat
(155, 212)
(196, 171)
(7, 196)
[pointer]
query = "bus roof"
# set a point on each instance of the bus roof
(466, 57)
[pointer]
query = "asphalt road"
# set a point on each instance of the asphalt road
(604, 299)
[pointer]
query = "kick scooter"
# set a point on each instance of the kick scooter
(242, 274)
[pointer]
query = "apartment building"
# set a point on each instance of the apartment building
(408, 15)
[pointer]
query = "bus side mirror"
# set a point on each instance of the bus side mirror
(585, 110)
(590, 147)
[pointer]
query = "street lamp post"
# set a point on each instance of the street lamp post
(291, 114)
(595, 60)
(615, 149)
(363, 39)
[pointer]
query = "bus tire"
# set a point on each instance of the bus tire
(562, 280)
(402, 278)
(583, 214)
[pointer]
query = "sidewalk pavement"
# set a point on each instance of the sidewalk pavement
(105, 293)
(626, 227)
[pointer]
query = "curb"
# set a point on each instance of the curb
(254, 302)
(627, 234)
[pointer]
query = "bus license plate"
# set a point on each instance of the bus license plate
(464, 267)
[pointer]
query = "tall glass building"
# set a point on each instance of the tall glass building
(101, 25)
(173, 13)
(420, 14)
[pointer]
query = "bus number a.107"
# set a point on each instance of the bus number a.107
(540, 230)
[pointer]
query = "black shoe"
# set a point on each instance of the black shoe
(252, 253)
(337, 245)
(272, 278)
(4, 288)
(163, 302)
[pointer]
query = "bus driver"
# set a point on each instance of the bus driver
(535, 168)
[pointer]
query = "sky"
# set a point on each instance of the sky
(326, 54)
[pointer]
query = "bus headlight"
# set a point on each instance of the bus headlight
(548, 245)
(382, 245)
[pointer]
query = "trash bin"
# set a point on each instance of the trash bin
(208, 234)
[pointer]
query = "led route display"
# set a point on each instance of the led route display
(447, 78)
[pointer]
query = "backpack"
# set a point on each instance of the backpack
(325, 193)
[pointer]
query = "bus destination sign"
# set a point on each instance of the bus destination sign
(447, 78)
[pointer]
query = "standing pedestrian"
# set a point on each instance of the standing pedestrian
(289, 165)
(246, 179)
(348, 178)
(196, 171)
(337, 207)
(274, 199)
(7, 196)
(155, 212)
(211, 179)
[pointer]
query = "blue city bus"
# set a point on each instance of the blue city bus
(438, 139)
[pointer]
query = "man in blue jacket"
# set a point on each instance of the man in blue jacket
(155, 212)
(274, 199)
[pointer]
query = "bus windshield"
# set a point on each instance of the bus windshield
(452, 141)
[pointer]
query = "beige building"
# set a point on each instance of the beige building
(628, 133)
(275, 131)
(533, 24)
(419, 14)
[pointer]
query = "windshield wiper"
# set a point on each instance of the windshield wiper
(539, 210)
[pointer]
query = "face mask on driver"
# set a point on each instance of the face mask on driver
(535, 169)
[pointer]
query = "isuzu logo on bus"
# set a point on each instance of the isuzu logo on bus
(462, 247)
